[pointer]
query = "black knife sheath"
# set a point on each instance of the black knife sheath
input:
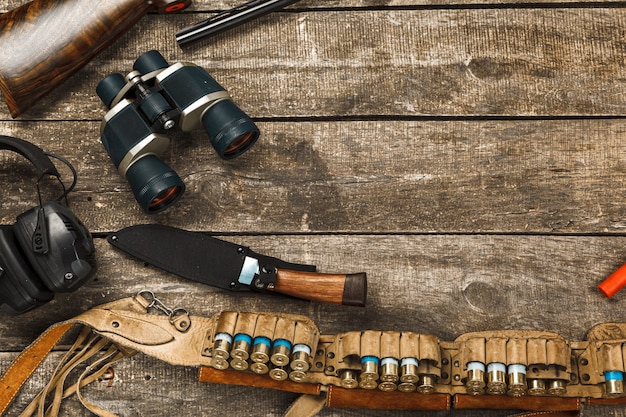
(197, 256)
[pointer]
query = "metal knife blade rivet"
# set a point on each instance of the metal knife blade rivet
(240, 250)
(233, 284)
(114, 237)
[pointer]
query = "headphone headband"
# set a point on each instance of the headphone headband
(32, 152)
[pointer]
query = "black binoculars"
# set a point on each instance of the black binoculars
(154, 98)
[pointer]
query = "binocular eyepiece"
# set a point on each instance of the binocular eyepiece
(154, 98)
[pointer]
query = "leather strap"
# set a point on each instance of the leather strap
(530, 403)
(27, 362)
(31, 358)
(215, 376)
(306, 406)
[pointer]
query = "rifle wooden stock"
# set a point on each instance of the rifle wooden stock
(343, 289)
(44, 42)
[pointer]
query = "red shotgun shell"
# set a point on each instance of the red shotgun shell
(610, 286)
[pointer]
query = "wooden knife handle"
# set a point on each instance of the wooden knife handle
(346, 289)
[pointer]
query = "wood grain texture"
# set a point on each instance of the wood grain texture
(415, 283)
(212, 6)
(468, 155)
(311, 286)
(426, 63)
(528, 176)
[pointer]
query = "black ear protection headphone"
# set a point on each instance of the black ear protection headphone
(48, 249)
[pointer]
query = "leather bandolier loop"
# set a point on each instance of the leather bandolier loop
(535, 371)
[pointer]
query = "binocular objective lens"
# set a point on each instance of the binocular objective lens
(230, 130)
(155, 185)
(164, 198)
(240, 144)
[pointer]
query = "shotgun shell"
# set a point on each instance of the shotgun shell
(388, 374)
(615, 282)
(556, 387)
(348, 379)
(238, 364)
(261, 350)
(426, 384)
(300, 358)
(389, 370)
(496, 378)
(369, 372)
(475, 383)
(241, 347)
(221, 349)
(297, 376)
(239, 352)
(387, 386)
(536, 387)
(369, 367)
(517, 380)
(280, 352)
(614, 384)
(259, 368)
(407, 387)
(408, 370)
(278, 373)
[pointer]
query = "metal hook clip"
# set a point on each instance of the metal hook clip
(178, 317)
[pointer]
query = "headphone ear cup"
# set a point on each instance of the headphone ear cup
(57, 245)
(20, 288)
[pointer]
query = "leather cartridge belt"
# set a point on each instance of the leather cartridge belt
(507, 369)
(510, 369)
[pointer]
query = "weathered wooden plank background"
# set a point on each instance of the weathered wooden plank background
(468, 155)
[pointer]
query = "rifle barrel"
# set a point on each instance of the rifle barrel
(229, 19)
